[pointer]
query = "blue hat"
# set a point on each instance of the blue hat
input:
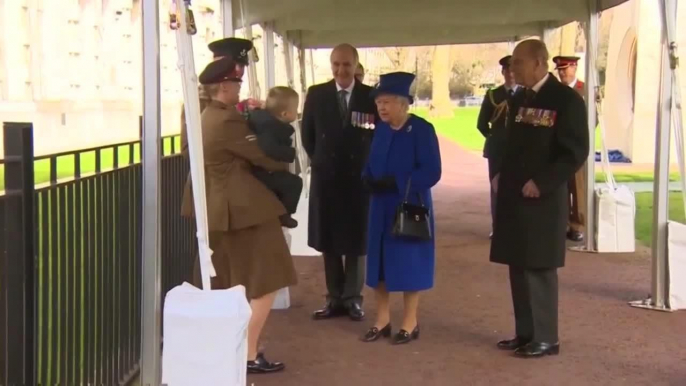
(396, 83)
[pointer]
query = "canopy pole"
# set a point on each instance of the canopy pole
(269, 68)
(150, 295)
(288, 57)
(253, 83)
(302, 155)
(661, 184)
(227, 18)
(314, 80)
(592, 85)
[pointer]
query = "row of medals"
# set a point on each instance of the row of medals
(536, 117)
(363, 120)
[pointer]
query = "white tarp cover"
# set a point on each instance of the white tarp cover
(377, 23)
(205, 336)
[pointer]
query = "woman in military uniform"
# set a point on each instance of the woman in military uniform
(243, 215)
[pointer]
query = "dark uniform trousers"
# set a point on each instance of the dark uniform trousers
(534, 296)
(344, 278)
(287, 187)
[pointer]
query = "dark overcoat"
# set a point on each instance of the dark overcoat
(338, 201)
(530, 232)
(409, 154)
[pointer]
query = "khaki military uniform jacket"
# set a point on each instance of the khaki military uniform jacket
(235, 198)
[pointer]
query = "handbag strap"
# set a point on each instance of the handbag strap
(407, 192)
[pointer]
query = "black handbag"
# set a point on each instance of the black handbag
(412, 221)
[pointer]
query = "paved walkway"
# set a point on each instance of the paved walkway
(604, 341)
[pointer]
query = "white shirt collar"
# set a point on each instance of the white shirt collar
(573, 84)
(513, 88)
(537, 86)
(349, 89)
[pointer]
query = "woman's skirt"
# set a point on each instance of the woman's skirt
(257, 258)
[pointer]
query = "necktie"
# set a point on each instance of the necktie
(529, 95)
(511, 92)
(343, 104)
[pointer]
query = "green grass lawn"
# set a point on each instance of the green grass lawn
(45, 318)
(644, 214)
(461, 128)
(65, 164)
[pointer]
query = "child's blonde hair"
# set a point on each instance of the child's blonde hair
(279, 99)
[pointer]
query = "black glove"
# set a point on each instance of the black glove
(385, 184)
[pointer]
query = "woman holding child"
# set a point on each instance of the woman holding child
(243, 214)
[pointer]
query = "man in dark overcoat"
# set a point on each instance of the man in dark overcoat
(491, 121)
(337, 128)
(547, 143)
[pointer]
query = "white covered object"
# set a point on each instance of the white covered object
(205, 337)
(676, 249)
(615, 204)
(616, 209)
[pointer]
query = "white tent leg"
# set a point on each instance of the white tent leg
(253, 84)
(302, 156)
(314, 80)
(150, 296)
(290, 63)
(591, 90)
(661, 184)
(544, 34)
(269, 67)
(227, 18)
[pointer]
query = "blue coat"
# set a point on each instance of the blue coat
(411, 151)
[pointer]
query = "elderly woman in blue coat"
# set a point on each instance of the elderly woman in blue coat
(404, 151)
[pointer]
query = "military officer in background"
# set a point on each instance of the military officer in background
(566, 69)
(547, 143)
(491, 121)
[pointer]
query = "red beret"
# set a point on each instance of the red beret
(220, 70)
(565, 61)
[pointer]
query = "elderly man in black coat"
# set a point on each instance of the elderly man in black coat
(548, 141)
(337, 128)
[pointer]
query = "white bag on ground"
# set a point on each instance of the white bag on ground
(616, 208)
(676, 232)
(676, 250)
(615, 205)
(205, 337)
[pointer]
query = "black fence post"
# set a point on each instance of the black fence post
(19, 268)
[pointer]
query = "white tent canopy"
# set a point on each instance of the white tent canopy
(363, 23)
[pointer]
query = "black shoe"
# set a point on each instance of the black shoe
(403, 336)
(355, 312)
(330, 310)
(513, 344)
(575, 236)
(374, 333)
(537, 350)
(262, 366)
(288, 221)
